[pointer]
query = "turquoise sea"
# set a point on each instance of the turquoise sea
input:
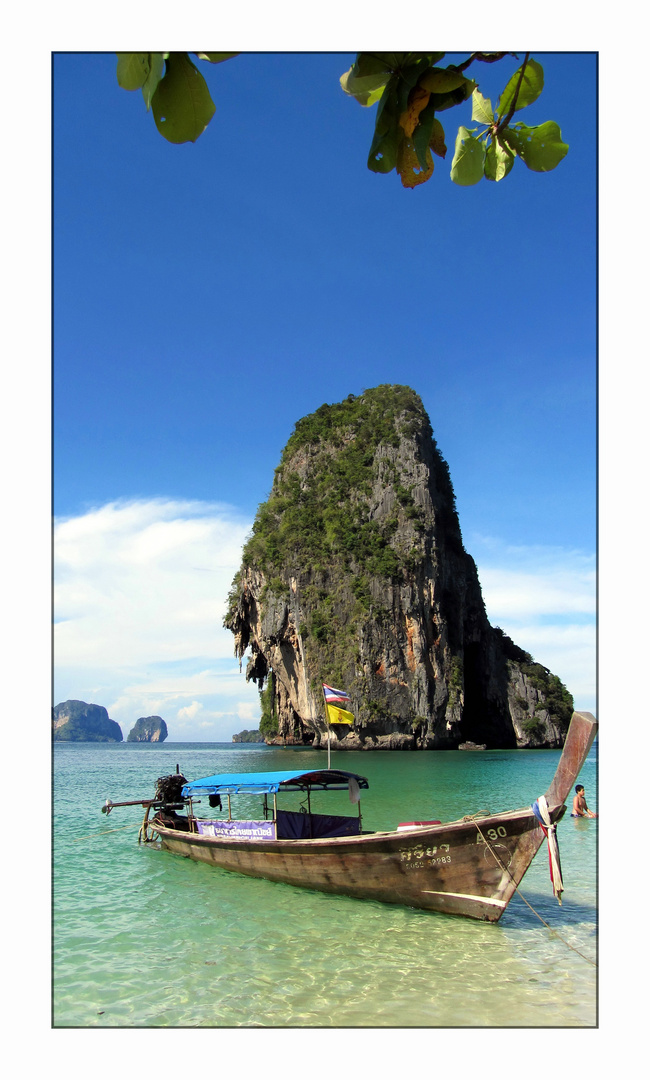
(142, 938)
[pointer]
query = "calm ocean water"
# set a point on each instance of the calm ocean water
(143, 938)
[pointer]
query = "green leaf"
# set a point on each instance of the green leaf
(156, 69)
(540, 148)
(437, 143)
(391, 61)
(216, 57)
(424, 133)
(182, 106)
(499, 160)
(454, 97)
(443, 80)
(531, 87)
(369, 75)
(383, 151)
(367, 78)
(509, 136)
(469, 159)
(481, 108)
(388, 113)
(388, 133)
(397, 62)
(132, 69)
(411, 74)
(372, 64)
(366, 89)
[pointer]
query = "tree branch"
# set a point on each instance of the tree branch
(486, 58)
(511, 112)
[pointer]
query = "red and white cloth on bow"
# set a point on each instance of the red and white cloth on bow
(540, 810)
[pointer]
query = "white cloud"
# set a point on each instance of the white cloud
(139, 580)
(140, 590)
(190, 711)
(247, 710)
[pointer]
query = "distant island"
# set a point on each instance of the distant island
(77, 721)
(248, 736)
(148, 729)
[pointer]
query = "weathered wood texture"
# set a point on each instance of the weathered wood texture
(469, 867)
(580, 736)
(465, 868)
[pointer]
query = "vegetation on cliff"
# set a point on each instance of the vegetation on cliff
(269, 718)
(318, 523)
(553, 694)
(315, 514)
(355, 574)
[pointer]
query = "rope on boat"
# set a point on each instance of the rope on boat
(472, 817)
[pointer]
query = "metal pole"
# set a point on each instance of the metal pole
(329, 731)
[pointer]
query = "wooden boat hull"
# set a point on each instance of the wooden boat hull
(460, 868)
(469, 867)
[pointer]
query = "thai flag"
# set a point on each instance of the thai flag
(333, 696)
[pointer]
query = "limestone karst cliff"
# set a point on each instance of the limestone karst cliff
(77, 721)
(148, 729)
(355, 575)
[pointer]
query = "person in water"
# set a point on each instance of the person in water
(580, 808)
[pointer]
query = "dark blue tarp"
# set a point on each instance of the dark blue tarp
(268, 783)
(293, 825)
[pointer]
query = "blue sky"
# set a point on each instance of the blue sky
(207, 296)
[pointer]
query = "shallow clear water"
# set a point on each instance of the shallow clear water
(143, 938)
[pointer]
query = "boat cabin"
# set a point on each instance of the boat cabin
(276, 823)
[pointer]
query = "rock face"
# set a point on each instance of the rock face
(148, 729)
(76, 721)
(355, 575)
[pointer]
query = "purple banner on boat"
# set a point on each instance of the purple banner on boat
(238, 830)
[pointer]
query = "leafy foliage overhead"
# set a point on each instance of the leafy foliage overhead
(173, 88)
(410, 91)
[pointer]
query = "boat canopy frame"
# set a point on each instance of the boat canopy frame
(272, 782)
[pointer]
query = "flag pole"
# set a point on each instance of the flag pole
(329, 730)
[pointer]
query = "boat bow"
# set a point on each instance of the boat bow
(580, 736)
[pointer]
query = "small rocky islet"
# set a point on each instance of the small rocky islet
(148, 729)
(79, 721)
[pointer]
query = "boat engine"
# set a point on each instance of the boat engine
(168, 789)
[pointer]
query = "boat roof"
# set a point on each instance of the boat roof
(270, 782)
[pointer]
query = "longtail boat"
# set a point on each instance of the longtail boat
(471, 866)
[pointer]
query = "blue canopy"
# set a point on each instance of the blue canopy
(267, 783)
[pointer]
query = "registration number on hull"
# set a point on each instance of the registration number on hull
(418, 857)
(492, 834)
